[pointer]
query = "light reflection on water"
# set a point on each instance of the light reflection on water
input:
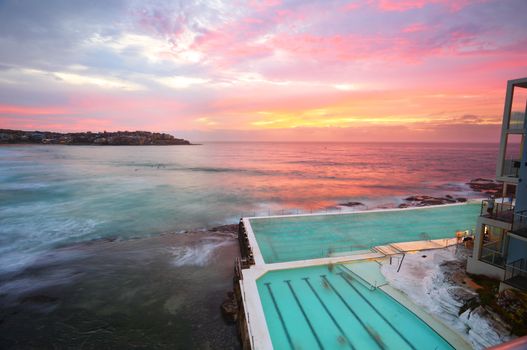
(55, 195)
(165, 290)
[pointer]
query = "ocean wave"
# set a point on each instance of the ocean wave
(145, 165)
(199, 255)
(215, 170)
(17, 186)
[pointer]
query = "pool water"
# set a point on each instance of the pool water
(282, 239)
(326, 307)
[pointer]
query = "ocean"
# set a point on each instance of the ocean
(108, 247)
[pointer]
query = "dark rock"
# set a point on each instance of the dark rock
(351, 204)
(461, 199)
(423, 200)
(229, 307)
(486, 186)
(462, 294)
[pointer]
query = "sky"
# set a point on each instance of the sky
(270, 70)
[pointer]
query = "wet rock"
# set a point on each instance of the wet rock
(229, 307)
(487, 186)
(423, 200)
(351, 204)
(461, 294)
(484, 328)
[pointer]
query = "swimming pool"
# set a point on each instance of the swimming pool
(283, 239)
(328, 307)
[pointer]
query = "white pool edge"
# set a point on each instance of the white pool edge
(469, 201)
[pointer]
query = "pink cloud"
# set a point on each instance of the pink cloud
(396, 5)
(405, 5)
(352, 6)
(9, 110)
(416, 27)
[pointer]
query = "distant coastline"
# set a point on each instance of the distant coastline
(118, 138)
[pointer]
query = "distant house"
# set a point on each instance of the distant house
(500, 248)
(38, 136)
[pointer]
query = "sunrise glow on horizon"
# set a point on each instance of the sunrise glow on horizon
(372, 70)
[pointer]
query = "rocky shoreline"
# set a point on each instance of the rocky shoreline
(437, 281)
(487, 186)
(480, 185)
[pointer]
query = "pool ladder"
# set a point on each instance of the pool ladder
(347, 272)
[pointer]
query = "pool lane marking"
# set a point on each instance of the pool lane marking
(306, 279)
(366, 328)
(268, 285)
(376, 310)
(304, 313)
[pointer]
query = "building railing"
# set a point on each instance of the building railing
(511, 167)
(491, 253)
(519, 225)
(516, 120)
(516, 274)
(494, 209)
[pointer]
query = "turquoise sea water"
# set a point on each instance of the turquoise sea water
(322, 308)
(56, 195)
(309, 237)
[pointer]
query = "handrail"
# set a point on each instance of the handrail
(496, 209)
(511, 269)
(511, 167)
(367, 284)
(520, 222)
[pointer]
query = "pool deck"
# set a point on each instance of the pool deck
(258, 332)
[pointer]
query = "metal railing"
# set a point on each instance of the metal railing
(517, 120)
(497, 209)
(511, 167)
(350, 274)
(262, 212)
(491, 253)
(519, 224)
(516, 274)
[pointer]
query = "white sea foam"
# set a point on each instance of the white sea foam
(424, 283)
(198, 255)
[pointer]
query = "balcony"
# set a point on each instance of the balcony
(517, 120)
(491, 254)
(516, 274)
(501, 211)
(519, 225)
(511, 168)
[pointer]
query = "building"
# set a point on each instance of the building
(500, 247)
